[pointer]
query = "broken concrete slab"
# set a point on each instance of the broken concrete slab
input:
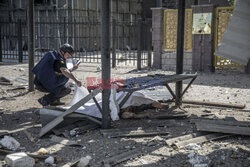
(211, 126)
(19, 159)
(10, 143)
(84, 161)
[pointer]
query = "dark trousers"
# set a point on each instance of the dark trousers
(50, 98)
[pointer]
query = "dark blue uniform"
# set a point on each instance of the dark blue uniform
(49, 77)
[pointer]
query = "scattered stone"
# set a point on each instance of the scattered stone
(84, 161)
(216, 146)
(21, 69)
(156, 139)
(223, 157)
(50, 160)
(72, 133)
(144, 162)
(19, 160)
(42, 151)
(198, 160)
(10, 143)
(151, 144)
(127, 147)
(193, 146)
(58, 159)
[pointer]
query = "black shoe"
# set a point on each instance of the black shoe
(43, 102)
(57, 103)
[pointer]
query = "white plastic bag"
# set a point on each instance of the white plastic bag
(113, 104)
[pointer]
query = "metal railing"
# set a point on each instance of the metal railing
(130, 41)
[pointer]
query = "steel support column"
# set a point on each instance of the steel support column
(105, 52)
(180, 44)
(20, 40)
(31, 41)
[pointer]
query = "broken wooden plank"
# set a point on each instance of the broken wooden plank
(172, 141)
(117, 159)
(132, 132)
(33, 155)
(170, 116)
(240, 106)
(5, 83)
(225, 122)
(59, 119)
(210, 127)
(141, 134)
(201, 139)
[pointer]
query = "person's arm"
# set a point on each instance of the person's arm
(68, 74)
(76, 65)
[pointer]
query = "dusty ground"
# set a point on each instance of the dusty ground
(18, 111)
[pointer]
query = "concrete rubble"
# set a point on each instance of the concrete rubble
(20, 159)
(84, 161)
(10, 143)
(197, 160)
(50, 160)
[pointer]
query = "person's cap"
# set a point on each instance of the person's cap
(67, 48)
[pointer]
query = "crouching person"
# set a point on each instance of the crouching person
(51, 75)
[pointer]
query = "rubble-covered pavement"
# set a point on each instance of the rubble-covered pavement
(135, 142)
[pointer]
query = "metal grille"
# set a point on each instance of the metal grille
(222, 16)
(170, 30)
(84, 33)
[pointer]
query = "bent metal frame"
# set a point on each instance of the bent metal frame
(129, 85)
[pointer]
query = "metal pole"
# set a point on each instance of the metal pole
(105, 52)
(139, 43)
(149, 45)
(20, 49)
(1, 56)
(195, 2)
(114, 43)
(31, 43)
(180, 44)
(158, 3)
